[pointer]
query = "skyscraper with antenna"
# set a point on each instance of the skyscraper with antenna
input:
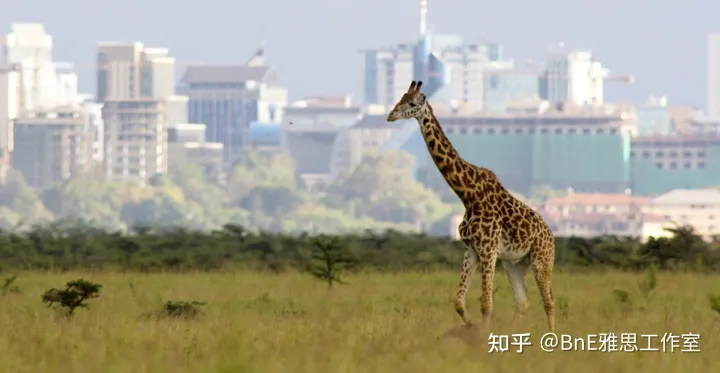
(446, 63)
(449, 66)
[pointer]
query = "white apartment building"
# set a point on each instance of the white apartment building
(699, 208)
(135, 138)
(573, 77)
(30, 47)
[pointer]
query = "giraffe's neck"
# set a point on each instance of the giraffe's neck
(443, 153)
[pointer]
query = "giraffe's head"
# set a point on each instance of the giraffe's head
(411, 105)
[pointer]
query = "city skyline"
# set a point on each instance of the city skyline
(323, 66)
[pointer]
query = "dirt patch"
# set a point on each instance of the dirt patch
(469, 334)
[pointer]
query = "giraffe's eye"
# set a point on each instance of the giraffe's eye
(412, 104)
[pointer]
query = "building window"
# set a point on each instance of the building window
(673, 154)
(572, 131)
(586, 131)
(659, 154)
(659, 165)
(613, 131)
(701, 165)
(687, 165)
(687, 154)
(701, 154)
(518, 131)
(673, 165)
(544, 130)
(599, 131)
(646, 154)
(491, 131)
(505, 131)
(463, 131)
(477, 130)
(632, 154)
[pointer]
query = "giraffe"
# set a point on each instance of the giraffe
(495, 224)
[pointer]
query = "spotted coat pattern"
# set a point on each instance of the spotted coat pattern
(496, 225)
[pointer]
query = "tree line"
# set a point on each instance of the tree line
(262, 191)
(72, 245)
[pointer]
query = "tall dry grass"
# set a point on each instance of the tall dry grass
(378, 323)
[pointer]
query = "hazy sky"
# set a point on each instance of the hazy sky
(313, 44)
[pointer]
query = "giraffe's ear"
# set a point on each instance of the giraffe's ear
(412, 87)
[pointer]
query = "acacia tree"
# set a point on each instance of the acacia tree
(329, 258)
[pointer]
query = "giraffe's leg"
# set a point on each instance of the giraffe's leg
(470, 262)
(488, 260)
(543, 263)
(516, 274)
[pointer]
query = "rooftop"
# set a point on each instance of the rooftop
(677, 139)
(224, 74)
(189, 126)
(375, 122)
(203, 145)
(598, 199)
(324, 101)
(688, 197)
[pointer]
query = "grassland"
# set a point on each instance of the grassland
(378, 323)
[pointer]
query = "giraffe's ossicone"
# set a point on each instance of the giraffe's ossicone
(495, 225)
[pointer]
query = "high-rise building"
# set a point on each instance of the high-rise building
(118, 71)
(9, 110)
(228, 98)
(10, 91)
(712, 106)
(130, 70)
(451, 69)
(93, 110)
(157, 73)
(576, 77)
(51, 145)
(573, 77)
(387, 72)
(30, 48)
(67, 84)
(135, 139)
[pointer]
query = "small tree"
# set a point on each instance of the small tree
(9, 285)
(75, 295)
(329, 258)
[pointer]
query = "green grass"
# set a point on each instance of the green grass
(378, 323)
